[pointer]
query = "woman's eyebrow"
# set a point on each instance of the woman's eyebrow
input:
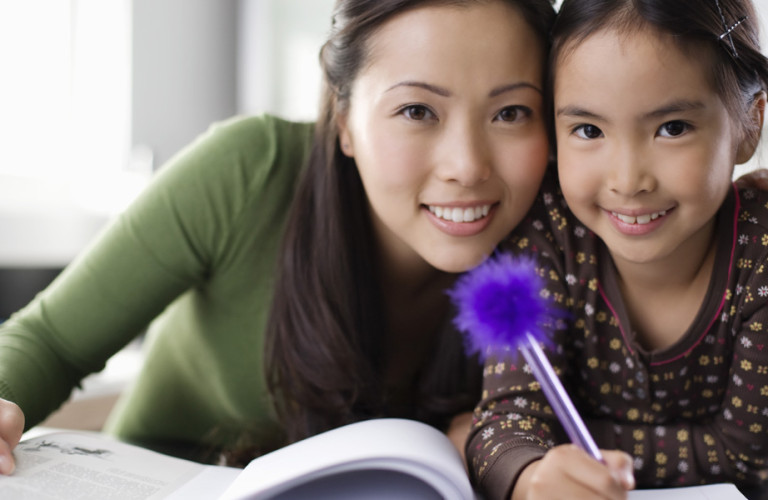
(441, 91)
(511, 87)
(444, 92)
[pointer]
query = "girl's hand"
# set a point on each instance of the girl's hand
(757, 179)
(567, 471)
(458, 431)
(11, 428)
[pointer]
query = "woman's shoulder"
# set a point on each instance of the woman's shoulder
(259, 136)
(265, 125)
(253, 152)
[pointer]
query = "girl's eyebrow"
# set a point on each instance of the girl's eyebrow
(675, 107)
(578, 112)
(667, 109)
(442, 91)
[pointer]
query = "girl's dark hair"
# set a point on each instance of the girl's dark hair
(323, 335)
(738, 69)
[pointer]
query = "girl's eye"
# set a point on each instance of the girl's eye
(673, 129)
(587, 131)
(513, 114)
(417, 112)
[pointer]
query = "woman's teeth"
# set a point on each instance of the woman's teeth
(456, 214)
(640, 219)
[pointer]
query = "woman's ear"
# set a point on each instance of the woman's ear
(345, 138)
(748, 145)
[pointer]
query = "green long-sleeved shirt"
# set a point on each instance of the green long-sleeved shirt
(195, 257)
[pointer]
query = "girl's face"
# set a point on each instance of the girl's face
(446, 127)
(646, 147)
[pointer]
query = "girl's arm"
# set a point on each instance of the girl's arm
(514, 426)
(516, 445)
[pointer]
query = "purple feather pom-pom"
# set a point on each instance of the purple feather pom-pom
(498, 302)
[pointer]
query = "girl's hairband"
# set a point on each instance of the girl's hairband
(727, 30)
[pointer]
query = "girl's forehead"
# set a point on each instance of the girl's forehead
(658, 47)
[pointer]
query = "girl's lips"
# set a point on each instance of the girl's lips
(638, 225)
(460, 221)
(639, 219)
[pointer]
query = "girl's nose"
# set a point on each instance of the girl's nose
(628, 173)
(467, 158)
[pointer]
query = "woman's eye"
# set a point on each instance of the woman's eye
(588, 131)
(513, 114)
(417, 112)
(673, 129)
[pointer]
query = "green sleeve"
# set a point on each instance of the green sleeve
(173, 238)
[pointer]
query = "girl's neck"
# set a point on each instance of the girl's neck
(664, 297)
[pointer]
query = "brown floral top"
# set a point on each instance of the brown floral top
(695, 412)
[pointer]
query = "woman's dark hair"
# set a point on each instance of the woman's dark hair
(323, 336)
(727, 29)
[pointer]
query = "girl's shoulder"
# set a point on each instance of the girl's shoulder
(753, 209)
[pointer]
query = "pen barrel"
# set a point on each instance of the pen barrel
(558, 398)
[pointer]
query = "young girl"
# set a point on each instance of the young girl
(665, 271)
(294, 275)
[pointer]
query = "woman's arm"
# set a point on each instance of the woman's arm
(172, 238)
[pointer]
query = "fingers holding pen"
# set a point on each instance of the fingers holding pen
(567, 471)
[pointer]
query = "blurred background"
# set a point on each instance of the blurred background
(97, 94)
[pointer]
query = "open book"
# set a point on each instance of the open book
(383, 459)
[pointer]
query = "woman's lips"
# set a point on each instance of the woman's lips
(467, 220)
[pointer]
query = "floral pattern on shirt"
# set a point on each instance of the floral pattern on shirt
(696, 412)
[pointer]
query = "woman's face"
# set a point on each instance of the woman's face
(446, 126)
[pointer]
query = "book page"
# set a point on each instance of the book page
(707, 492)
(395, 456)
(67, 465)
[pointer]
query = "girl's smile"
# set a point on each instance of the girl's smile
(646, 146)
(640, 223)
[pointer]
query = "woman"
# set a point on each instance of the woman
(294, 275)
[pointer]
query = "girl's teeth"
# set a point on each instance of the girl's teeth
(455, 214)
(640, 219)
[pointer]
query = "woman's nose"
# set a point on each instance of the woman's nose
(467, 158)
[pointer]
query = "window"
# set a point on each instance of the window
(65, 93)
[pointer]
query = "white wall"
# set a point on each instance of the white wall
(278, 61)
(184, 71)
(196, 62)
(761, 156)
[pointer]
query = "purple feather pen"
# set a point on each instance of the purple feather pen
(500, 308)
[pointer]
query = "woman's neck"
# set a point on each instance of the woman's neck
(415, 306)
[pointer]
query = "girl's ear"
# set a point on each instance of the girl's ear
(345, 138)
(749, 143)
